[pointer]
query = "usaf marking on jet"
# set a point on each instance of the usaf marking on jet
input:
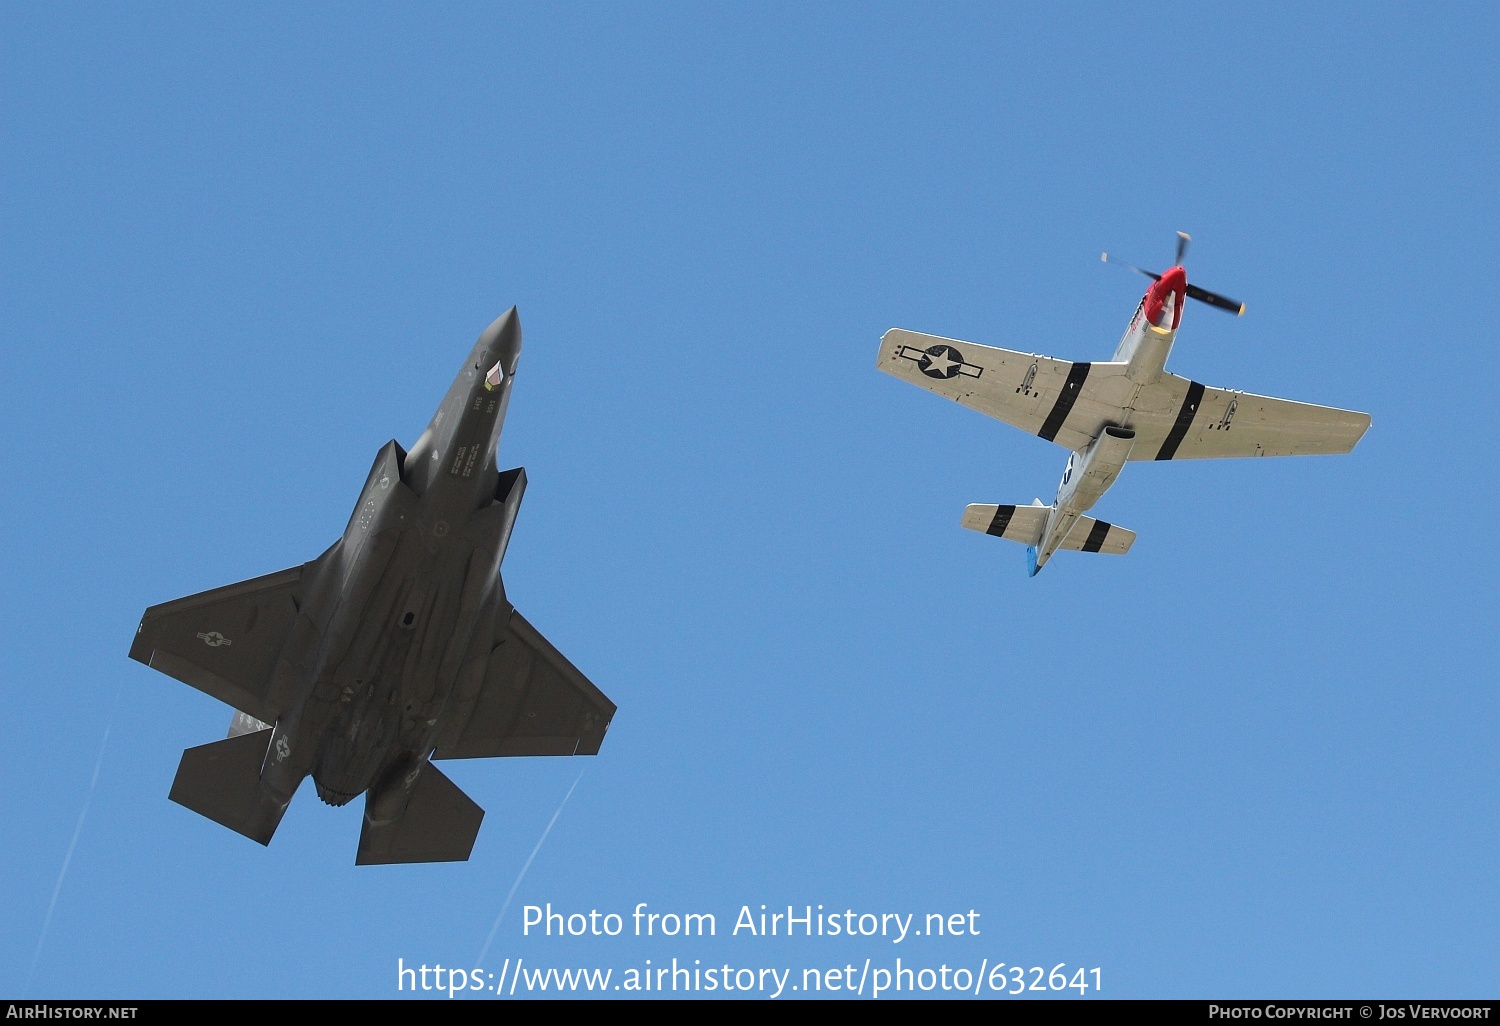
(1129, 408)
(396, 646)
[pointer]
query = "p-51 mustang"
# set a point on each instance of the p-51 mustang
(1129, 408)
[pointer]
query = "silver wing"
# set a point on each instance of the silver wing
(1034, 393)
(1070, 403)
(1178, 419)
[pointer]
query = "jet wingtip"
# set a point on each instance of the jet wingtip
(141, 647)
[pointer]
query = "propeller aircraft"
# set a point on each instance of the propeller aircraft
(1106, 414)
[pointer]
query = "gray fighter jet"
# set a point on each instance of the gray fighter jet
(396, 646)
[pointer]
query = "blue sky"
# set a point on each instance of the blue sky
(245, 247)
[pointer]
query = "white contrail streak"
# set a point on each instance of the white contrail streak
(522, 875)
(68, 858)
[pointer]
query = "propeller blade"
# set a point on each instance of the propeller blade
(1120, 263)
(1234, 306)
(1183, 238)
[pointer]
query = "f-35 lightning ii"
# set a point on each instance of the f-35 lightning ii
(395, 647)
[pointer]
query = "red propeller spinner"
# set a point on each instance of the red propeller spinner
(1172, 285)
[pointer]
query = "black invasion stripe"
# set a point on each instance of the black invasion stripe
(1184, 421)
(1095, 540)
(1001, 522)
(1065, 400)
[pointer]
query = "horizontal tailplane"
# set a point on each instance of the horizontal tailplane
(1090, 535)
(222, 782)
(1025, 524)
(439, 825)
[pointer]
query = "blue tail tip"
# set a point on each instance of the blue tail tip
(1031, 566)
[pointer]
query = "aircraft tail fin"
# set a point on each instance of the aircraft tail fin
(439, 825)
(222, 782)
(244, 723)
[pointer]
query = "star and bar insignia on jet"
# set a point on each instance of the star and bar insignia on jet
(940, 361)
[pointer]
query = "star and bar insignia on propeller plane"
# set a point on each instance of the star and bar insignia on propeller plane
(940, 361)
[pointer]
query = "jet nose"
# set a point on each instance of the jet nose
(502, 340)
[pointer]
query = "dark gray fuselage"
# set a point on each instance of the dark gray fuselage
(392, 608)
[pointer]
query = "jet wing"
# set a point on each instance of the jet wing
(225, 642)
(1178, 419)
(530, 701)
(1037, 394)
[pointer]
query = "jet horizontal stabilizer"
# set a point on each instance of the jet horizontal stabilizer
(222, 782)
(439, 825)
